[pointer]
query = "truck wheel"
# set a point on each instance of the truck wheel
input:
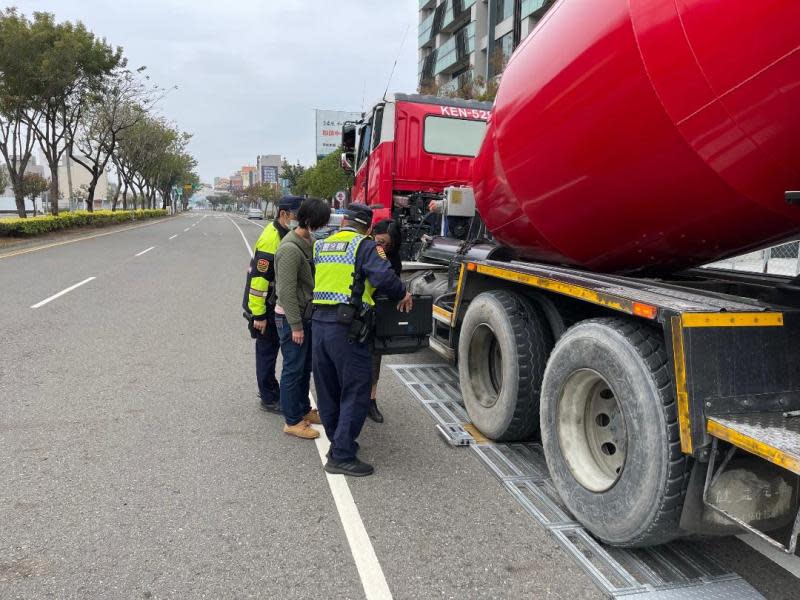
(502, 349)
(610, 432)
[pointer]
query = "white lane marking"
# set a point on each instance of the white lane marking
(783, 560)
(252, 222)
(369, 569)
(145, 251)
(80, 239)
(174, 236)
(185, 230)
(62, 292)
(246, 243)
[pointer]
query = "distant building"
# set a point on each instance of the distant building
(74, 177)
(236, 182)
(222, 183)
(7, 201)
(268, 168)
(460, 40)
(248, 173)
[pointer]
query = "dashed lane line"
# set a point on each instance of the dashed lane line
(62, 292)
(80, 239)
(173, 236)
(145, 251)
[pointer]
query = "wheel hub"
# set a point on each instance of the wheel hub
(591, 430)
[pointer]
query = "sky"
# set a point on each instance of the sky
(251, 72)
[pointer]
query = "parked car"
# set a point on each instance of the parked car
(255, 213)
(334, 224)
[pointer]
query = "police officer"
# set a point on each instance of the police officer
(259, 301)
(349, 268)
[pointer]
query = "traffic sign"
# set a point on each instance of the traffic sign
(340, 196)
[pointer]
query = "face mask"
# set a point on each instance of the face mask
(292, 224)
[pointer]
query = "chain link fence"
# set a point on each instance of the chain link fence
(778, 260)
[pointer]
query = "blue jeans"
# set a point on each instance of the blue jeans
(296, 373)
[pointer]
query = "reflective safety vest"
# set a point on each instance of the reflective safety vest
(335, 262)
(262, 271)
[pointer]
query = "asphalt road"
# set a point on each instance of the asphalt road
(134, 462)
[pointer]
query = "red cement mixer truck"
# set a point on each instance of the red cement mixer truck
(631, 142)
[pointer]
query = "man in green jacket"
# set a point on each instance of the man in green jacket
(259, 301)
(294, 280)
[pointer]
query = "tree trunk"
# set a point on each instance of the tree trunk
(90, 195)
(54, 189)
(116, 193)
(20, 200)
(125, 196)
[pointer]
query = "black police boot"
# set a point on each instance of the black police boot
(353, 468)
(374, 413)
(271, 407)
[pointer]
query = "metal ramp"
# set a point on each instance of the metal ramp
(773, 436)
(676, 571)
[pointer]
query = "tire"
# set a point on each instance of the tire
(610, 432)
(503, 347)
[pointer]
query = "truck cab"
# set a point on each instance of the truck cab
(406, 150)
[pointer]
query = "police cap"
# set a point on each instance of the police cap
(360, 213)
(290, 203)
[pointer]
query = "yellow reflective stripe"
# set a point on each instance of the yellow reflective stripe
(729, 319)
(679, 360)
(440, 314)
(335, 269)
(753, 446)
(566, 289)
(459, 292)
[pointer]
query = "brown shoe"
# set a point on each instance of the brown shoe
(302, 430)
(313, 417)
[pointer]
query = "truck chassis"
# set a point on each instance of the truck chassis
(666, 407)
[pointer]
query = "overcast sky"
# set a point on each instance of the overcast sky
(251, 72)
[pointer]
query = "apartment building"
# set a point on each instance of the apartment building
(463, 39)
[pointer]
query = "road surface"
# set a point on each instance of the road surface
(135, 463)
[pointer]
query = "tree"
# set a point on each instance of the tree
(71, 65)
(4, 180)
(292, 173)
(263, 192)
(117, 106)
(324, 179)
(33, 185)
(19, 85)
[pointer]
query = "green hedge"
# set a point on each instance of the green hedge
(37, 225)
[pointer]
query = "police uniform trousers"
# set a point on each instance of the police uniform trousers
(342, 379)
(267, 347)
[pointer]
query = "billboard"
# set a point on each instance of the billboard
(269, 174)
(329, 129)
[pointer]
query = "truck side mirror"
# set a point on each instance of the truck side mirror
(349, 137)
(347, 161)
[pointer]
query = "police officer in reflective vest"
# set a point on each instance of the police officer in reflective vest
(349, 268)
(259, 301)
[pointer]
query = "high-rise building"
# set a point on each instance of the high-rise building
(460, 40)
